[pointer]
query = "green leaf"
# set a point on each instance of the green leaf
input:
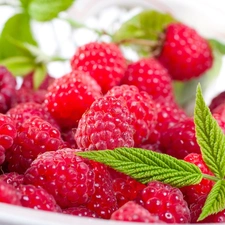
(215, 201)
(185, 91)
(39, 75)
(146, 25)
(209, 136)
(44, 10)
(19, 65)
(17, 27)
(25, 3)
(146, 165)
(215, 44)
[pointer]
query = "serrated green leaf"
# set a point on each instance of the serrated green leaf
(19, 65)
(146, 25)
(17, 27)
(39, 75)
(215, 201)
(185, 91)
(145, 165)
(209, 136)
(44, 10)
(219, 46)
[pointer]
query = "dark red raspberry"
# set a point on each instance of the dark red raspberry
(82, 211)
(142, 109)
(150, 76)
(9, 194)
(194, 192)
(126, 189)
(64, 175)
(103, 61)
(22, 112)
(29, 84)
(103, 201)
(34, 137)
(28, 95)
(74, 93)
(180, 140)
(217, 100)
(185, 53)
(13, 178)
(7, 135)
(7, 89)
(68, 137)
(133, 212)
(164, 201)
(106, 125)
(37, 198)
(168, 114)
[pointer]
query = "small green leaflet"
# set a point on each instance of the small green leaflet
(215, 201)
(146, 25)
(39, 75)
(215, 44)
(45, 10)
(145, 165)
(18, 26)
(209, 136)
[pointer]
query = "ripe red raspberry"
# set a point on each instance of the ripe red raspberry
(12, 178)
(133, 212)
(22, 112)
(82, 211)
(28, 95)
(185, 53)
(142, 109)
(64, 175)
(7, 89)
(29, 84)
(74, 93)
(34, 137)
(9, 194)
(68, 137)
(150, 76)
(168, 114)
(164, 201)
(217, 100)
(194, 192)
(103, 201)
(7, 135)
(37, 198)
(104, 62)
(220, 118)
(180, 140)
(106, 125)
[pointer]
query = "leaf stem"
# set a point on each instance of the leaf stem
(209, 177)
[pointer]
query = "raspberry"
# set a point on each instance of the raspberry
(64, 175)
(164, 201)
(13, 178)
(68, 137)
(34, 137)
(28, 82)
(142, 109)
(74, 93)
(37, 198)
(179, 140)
(168, 114)
(7, 135)
(103, 201)
(194, 192)
(22, 112)
(150, 76)
(133, 212)
(106, 125)
(7, 89)
(28, 95)
(104, 61)
(185, 53)
(9, 194)
(217, 100)
(80, 211)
